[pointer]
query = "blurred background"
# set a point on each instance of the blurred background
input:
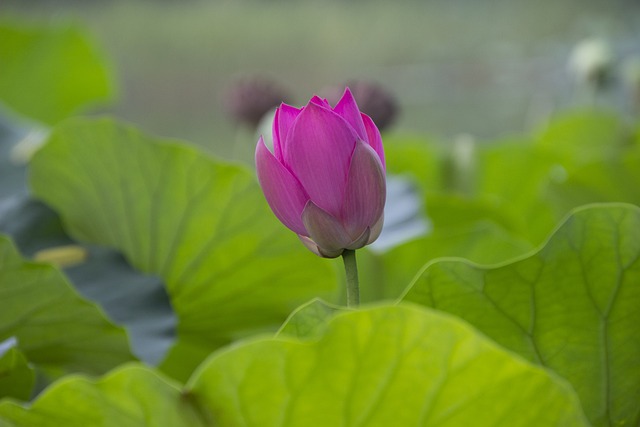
(491, 69)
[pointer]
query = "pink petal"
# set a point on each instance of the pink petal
(348, 110)
(374, 138)
(283, 192)
(311, 245)
(376, 230)
(325, 230)
(322, 102)
(318, 152)
(365, 194)
(285, 115)
(360, 241)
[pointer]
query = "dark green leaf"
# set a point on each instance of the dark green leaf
(16, 376)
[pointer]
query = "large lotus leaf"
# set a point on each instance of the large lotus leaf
(572, 306)
(394, 365)
(384, 366)
(131, 396)
(17, 378)
(309, 319)
(49, 72)
(55, 328)
(201, 225)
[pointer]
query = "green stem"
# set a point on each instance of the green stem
(351, 268)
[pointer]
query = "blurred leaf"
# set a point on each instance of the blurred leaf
(49, 72)
(582, 136)
(609, 180)
(54, 326)
(16, 376)
(384, 366)
(131, 396)
(571, 306)
(516, 177)
(203, 226)
(453, 210)
(414, 156)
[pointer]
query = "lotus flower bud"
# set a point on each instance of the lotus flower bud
(325, 179)
(373, 99)
(248, 100)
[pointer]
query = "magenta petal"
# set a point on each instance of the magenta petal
(285, 116)
(325, 230)
(318, 152)
(283, 192)
(348, 110)
(322, 102)
(365, 193)
(374, 138)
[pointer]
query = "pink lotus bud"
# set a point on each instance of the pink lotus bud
(325, 179)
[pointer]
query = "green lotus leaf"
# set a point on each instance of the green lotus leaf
(202, 225)
(131, 396)
(55, 328)
(570, 307)
(16, 376)
(382, 366)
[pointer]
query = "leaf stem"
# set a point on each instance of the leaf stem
(351, 269)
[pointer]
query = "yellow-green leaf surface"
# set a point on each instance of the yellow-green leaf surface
(309, 319)
(202, 225)
(572, 306)
(54, 327)
(131, 396)
(49, 72)
(377, 367)
(383, 366)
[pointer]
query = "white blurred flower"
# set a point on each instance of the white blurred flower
(591, 62)
(27, 146)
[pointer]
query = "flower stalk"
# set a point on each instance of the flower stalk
(353, 285)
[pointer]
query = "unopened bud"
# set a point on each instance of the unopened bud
(248, 100)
